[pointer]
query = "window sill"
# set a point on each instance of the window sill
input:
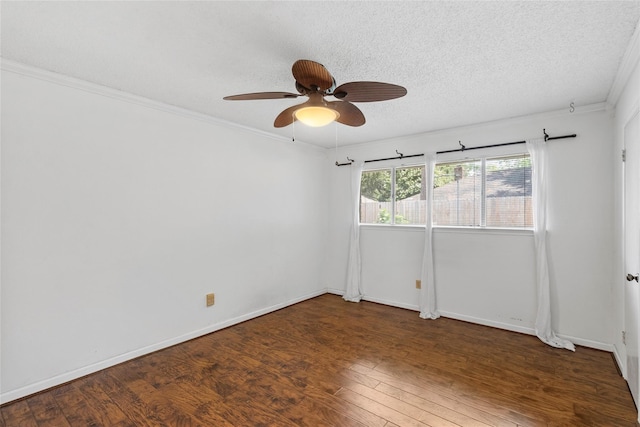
(483, 230)
(446, 230)
(395, 227)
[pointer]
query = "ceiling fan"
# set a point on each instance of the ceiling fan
(315, 82)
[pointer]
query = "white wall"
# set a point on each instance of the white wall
(118, 218)
(488, 276)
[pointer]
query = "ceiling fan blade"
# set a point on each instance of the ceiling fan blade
(310, 73)
(368, 91)
(349, 114)
(286, 117)
(261, 95)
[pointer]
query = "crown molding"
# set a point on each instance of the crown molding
(628, 63)
(83, 85)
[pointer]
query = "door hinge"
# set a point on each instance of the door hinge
(624, 154)
(624, 338)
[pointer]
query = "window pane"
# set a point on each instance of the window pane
(375, 197)
(410, 195)
(457, 194)
(508, 192)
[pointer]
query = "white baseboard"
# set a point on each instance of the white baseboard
(377, 300)
(491, 323)
(524, 330)
(485, 322)
(622, 366)
(90, 369)
(411, 307)
(589, 343)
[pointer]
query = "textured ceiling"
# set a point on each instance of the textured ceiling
(461, 62)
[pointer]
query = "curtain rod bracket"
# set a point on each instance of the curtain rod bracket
(461, 145)
(348, 162)
(400, 154)
(546, 137)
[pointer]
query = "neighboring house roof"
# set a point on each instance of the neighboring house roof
(503, 183)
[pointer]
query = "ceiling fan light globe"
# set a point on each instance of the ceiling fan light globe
(316, 116)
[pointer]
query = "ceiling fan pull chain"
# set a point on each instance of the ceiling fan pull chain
(336, 128)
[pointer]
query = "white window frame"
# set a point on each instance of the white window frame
(483, 194)
(392, 223)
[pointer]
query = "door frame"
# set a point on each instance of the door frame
(634, 115)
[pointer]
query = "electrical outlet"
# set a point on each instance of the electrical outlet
(418, 284)
(211, 299)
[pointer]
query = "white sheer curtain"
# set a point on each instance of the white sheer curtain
(353, 291)
(427, 277)
(538, 151)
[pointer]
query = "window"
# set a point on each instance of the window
(493, 192)
(393, 196)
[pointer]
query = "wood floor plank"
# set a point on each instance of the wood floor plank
(401, 406)
(441, 396)
(491, 416)
(481, 395)
(74, 406)
(380, 410)
(204, 405)
(325, 362)
(350, 410)
(254, 388)
(428, 406)
(18, 414)
(105, 411)
(274, 385)
(159, 406)
(129, 403)
(46, 411)
(588, 416)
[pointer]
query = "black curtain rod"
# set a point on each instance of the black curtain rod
(391, 158)
(482, 146)
(463, 148)
(546, 138)
(573, 135)
(400, 156)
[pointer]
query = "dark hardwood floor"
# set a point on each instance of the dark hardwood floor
(326, 362)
